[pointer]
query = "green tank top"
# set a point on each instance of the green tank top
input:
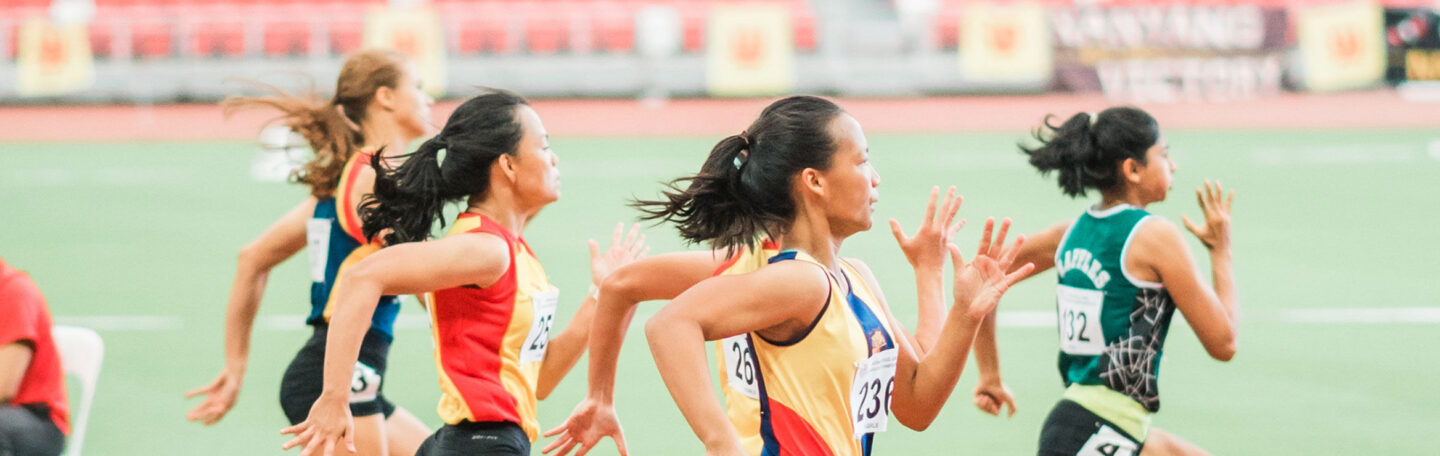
(1112, 325)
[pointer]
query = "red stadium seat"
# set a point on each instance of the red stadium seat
(151, 35)
(546, 33)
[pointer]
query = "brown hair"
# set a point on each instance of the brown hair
(331, 127)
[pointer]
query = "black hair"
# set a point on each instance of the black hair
(410, 198)
(1086, 151)
(743, 189)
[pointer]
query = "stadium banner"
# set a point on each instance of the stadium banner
(1005, 43)
(749, 50)
(53, 59)
(1170, 51)
(1412, 37)
(414, 31)
(1341, 45)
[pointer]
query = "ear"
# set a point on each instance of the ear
(1130, 170)
(506, 164)
(385, 98)
(810, 180)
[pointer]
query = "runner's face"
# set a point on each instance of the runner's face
(851, 183)
(412, 105)
(1157, 174)
(537, 171)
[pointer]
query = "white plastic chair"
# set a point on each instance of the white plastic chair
(81, 352)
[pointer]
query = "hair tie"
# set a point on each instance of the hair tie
(1093, 117)
(442, 150)
(744, 155)
(339, 108)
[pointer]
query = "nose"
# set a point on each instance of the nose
(874, 177)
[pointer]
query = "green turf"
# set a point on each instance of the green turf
(1335, 219)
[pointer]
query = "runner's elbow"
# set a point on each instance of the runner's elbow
(1225, 350)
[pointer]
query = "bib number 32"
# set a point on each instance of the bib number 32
(1080, 331)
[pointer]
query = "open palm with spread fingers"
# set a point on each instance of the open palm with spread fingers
(980, 283)
(591, 421)
(1215, 233)
(926, 249)
(619, 254)
(991, 394)
(329, 422)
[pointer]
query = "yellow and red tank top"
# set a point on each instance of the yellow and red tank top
(334, 240)
(738, 381)
(807, 384)
(490, 341)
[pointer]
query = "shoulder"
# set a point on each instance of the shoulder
(864, 271)
(788, 281)
(1157, 235)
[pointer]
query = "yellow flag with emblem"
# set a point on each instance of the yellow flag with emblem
(750, 50)
(1005, 43)
(1342, 45)
(53, 59)
(416, 32)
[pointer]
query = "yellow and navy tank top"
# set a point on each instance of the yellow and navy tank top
(738, 381)
(335, 241)
(805, 384)
(1112, 325)
(489, 342)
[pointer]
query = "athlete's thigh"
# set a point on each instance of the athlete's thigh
(370, 436)
(1161, 443)
(404, 432)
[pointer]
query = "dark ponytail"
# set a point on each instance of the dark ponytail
(743, 190)
(455, 164)
(1087, 150)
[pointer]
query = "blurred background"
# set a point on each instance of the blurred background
(127, 194)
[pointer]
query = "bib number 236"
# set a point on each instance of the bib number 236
(870, 392)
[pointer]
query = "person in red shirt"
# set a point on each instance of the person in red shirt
(34, 415)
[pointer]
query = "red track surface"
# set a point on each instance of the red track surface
(1376, 109)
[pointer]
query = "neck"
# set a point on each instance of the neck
(811, 233)
(501, 210)
(1114, 198)
(383, 134)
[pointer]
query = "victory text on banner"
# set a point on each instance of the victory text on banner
(1170, 52)
(750, 50)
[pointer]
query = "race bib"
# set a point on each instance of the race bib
(317, 242)
(1107, 442)
(1080, 332)
(870, 392)
(740, 365)
(544, 304)
(364, 383)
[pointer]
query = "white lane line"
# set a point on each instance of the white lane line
(1394, 315)
(123, 322)
(1338, 154)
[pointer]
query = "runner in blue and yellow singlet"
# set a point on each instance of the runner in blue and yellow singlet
(832, 363)
(378, 106)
